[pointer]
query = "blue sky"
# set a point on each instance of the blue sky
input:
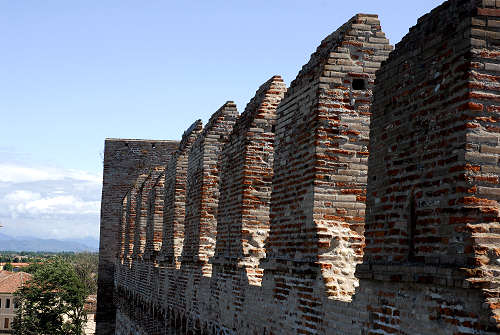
(75, 72)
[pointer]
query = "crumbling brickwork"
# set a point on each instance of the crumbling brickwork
(245, 188)
(319, 186)
(362, 200)
(246, 169)
(123, 226)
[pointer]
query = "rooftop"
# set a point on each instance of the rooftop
(11, 281)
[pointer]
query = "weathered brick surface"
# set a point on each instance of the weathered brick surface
(427, 257)
(145, 211)
(245, 187)
(319, 185)
(123, 226)
(482, 150)
(246, 169)
(133, 215)
(203, 188)
(123, 162)
(175, 198)
(154, 228)
(432, 209)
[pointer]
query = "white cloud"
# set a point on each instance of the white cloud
(13, 173)
(49, 202)
(19, 174)
(22, 195)
(25, 202)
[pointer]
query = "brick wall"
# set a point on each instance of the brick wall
(123, 162)
(245, 187)
(145, 213)
(250, 249)
(319, 185)
(175, 198)
(134, 214)
(432, 210)
(246, 169)
(202, 188)
(482, 151)
(154, 229)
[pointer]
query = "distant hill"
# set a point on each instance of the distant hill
(28, 243)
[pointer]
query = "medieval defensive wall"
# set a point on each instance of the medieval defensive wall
(362, 199)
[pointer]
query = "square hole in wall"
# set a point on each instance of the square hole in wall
(358, 84)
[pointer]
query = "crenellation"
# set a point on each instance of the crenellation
(123, 226)
(154, 229)
(175, 198)
(245, 187)
(134, 215)
(145, 211)
(363, 199)
(202, 188)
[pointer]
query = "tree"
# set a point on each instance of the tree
(52, 302)
(8, 266)
(85, 265)
(33, 267)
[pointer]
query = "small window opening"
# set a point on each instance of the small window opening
(273, 128)
(7, 303)
(358, 84)
(153, 145)
(412, 226)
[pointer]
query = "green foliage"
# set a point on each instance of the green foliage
(52, 302)
(85, 263)
(33, 267)
(25, 257)
(8, 267)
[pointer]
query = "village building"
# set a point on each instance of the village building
(10, 282)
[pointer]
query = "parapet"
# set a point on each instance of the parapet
(361, 199)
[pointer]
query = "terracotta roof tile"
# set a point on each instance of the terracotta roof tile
(11, 281)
